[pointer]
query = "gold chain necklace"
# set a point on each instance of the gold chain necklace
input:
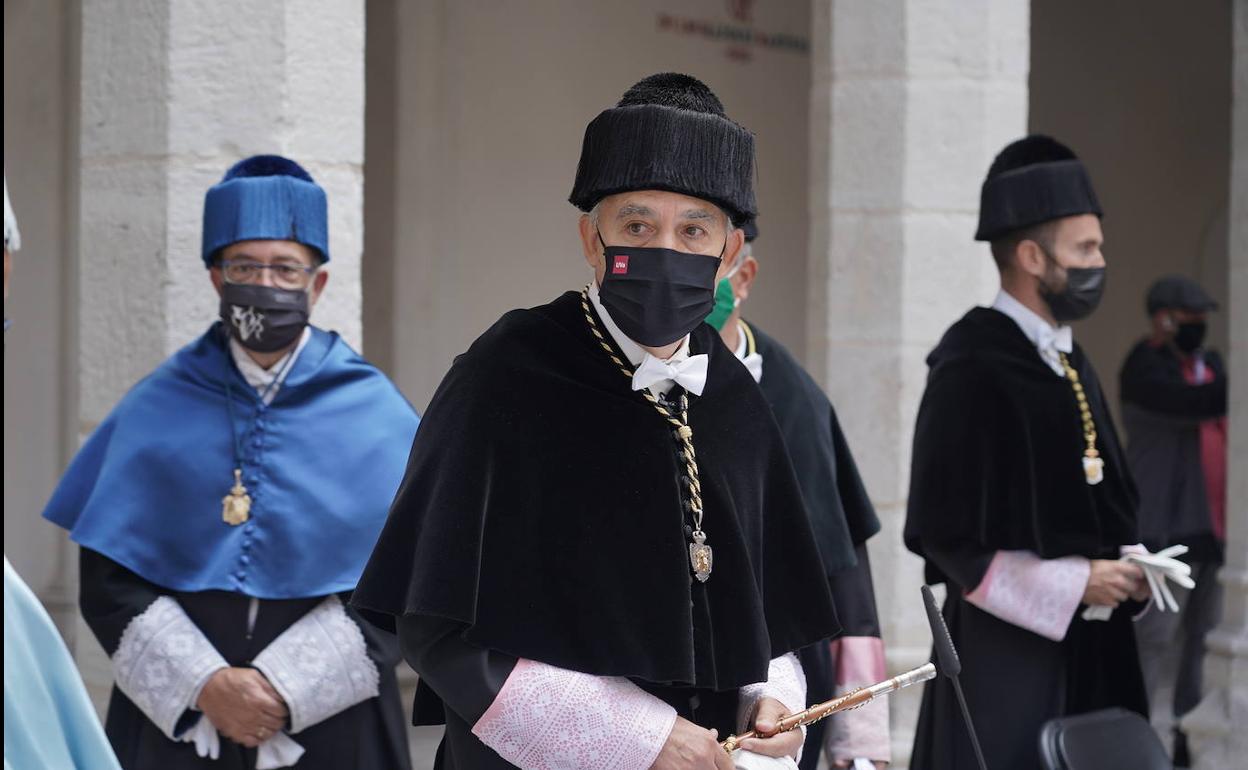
(1093, 464)
(700, 555)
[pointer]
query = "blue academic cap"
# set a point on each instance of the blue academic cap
(265, 197)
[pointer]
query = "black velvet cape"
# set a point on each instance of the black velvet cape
(841, 513)
(542, 509)
(998, 449)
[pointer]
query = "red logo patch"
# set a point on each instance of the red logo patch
(620, 266)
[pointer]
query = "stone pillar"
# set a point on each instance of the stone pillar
(911, 100)
(1215, 729)
(173, 93)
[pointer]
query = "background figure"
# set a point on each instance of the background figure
(841, 516)
(1174, 411)
(48, 718)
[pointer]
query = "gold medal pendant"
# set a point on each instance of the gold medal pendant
(236, 506)
(1093, 470)
(700, 556)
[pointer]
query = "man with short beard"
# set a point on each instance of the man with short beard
(1020, 497)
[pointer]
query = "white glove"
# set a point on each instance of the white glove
(748, 760)
(279, 751)
(1158, 568)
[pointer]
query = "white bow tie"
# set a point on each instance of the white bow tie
(1059, 339)
(689, 374)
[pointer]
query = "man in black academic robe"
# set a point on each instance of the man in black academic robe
(1174, 400)
(599, 550)
(1021, 500)
(842, 518)
(225, 509)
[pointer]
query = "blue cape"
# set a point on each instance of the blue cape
(323, 465)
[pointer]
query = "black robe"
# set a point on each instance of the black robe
(841, 513)
(371, 734)
(541, 517)
(997, 466)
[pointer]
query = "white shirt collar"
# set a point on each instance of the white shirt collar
(260, 378)
(631, 350)
(753, 361)
(1048, 339)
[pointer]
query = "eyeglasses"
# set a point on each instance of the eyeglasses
(285, 275)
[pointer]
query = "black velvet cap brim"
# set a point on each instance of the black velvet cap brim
(656, 147)
(1034, 194)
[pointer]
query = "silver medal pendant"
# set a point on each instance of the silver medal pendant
(700, 556)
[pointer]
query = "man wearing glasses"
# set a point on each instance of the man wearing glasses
(226, 508)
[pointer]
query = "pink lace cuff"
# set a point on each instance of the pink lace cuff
(863, 732)
(548, 717)
(1040, 595)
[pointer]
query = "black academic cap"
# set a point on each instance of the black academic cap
(751, 230)
(1178, 292)
(1033, 180)
(668, 132)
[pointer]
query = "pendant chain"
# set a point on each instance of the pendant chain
(1092, 462)
(677, 417)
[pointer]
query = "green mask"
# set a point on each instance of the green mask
(725, 303)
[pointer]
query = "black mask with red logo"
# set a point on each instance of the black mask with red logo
(657, 296)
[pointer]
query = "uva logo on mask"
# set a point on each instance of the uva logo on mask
(619, 265)
(248, 321)
(264, 318)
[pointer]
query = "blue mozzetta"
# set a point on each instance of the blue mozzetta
(265, 197)
(322, 465)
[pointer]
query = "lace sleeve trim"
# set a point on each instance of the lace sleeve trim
(548, 718)
(320, 665)
(163, 661)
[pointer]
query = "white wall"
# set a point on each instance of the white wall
(476, 114)
(1141, 89)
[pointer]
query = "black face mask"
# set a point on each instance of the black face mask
(1190, 336)
(1080, 296)
(264, 318)
(657, 296)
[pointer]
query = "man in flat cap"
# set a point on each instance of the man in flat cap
(226, 507)
(599, 556)
(841, 515)
(1021, 500)
(1174, 403)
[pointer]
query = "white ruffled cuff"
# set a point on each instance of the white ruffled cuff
(786, 682)
(163, 661)
(320, 665)
(547, 717)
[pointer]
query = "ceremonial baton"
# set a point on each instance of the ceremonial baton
(850, 700)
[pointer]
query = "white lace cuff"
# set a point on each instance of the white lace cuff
(1040, 595)
(163, 661)
(551, 718)
(320, 665)
(786, 682)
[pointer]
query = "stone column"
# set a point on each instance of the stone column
(911, 100)
(173, 93)
(1215, 729)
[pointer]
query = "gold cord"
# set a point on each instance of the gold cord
(678, 418)
(1093, 465)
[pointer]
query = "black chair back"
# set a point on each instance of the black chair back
(1110, 739)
